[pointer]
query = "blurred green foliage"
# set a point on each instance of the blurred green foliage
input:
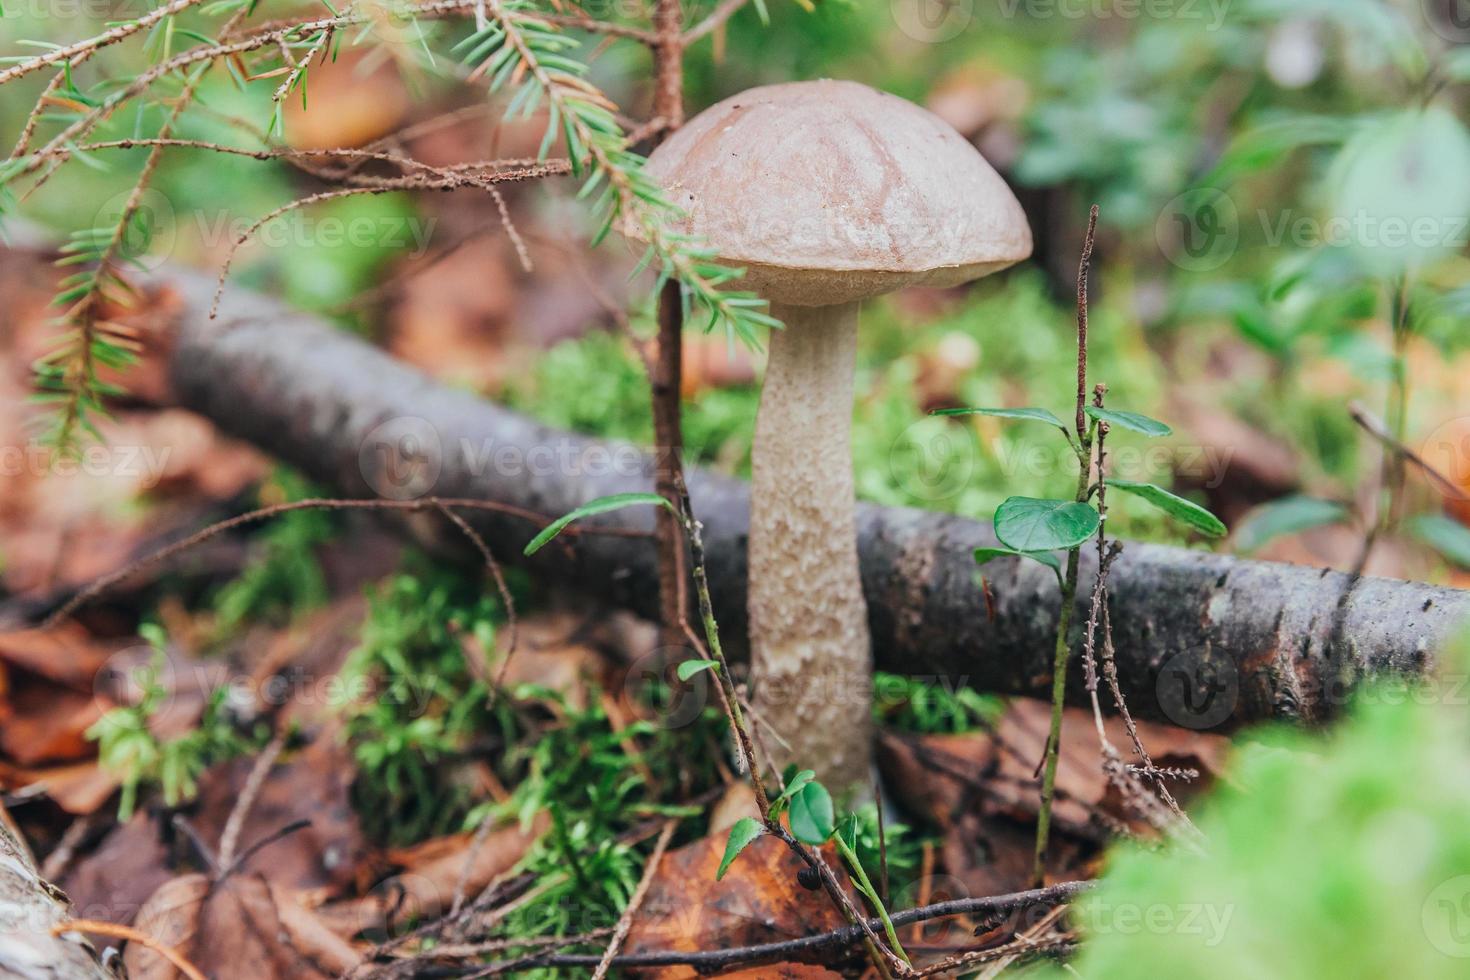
(1344, 855)
(901, 456)
(284, 578)
(130, 748)
(911, 704)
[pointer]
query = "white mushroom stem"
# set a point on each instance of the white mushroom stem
(811, 657)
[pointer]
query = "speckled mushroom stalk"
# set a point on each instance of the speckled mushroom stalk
(827, 193)
(808, 621)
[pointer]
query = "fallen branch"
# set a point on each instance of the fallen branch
(824, 947)
(1201, 639)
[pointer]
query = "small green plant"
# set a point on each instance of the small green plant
(127, 745)
(808, 806)
(912, 704)
(595, 781)
(420, 705)
(1036, 529)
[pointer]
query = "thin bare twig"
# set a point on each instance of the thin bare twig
(118, 33)
(230, 838)
(1376, 428)
(381, 185)
(315, 503)
(820, 947)
(482, 834)
(714, 21)
(495, 573)
(260, 845)
(625, 921)
(65, 850)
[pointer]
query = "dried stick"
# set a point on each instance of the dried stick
(230, 838)
(1376, 428)
(482, 834)
(131, 935)
(714, 21)
(495, 573)
(625, 921)
(665, 362)
(381, 185)
(91, 44)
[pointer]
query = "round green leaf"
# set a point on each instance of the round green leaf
(745, 830)
(812, 817)
(1028, 524)
(1129, 420)
(1185, 511)
(983, 555)
(795, 783)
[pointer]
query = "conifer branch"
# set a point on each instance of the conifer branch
(526, 53)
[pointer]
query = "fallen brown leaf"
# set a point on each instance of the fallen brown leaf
(78, 787)
(115, 879)
(979, 789)
(758, 901)
(241, 928)
(424, 886)
(312, 784)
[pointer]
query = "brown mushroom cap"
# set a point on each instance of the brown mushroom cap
(830, 191)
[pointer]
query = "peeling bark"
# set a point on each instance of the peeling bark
(1203, 640)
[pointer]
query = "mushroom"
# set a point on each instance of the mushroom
(826, 193)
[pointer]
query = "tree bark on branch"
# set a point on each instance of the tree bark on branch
(1203, 640)
(30, 908)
